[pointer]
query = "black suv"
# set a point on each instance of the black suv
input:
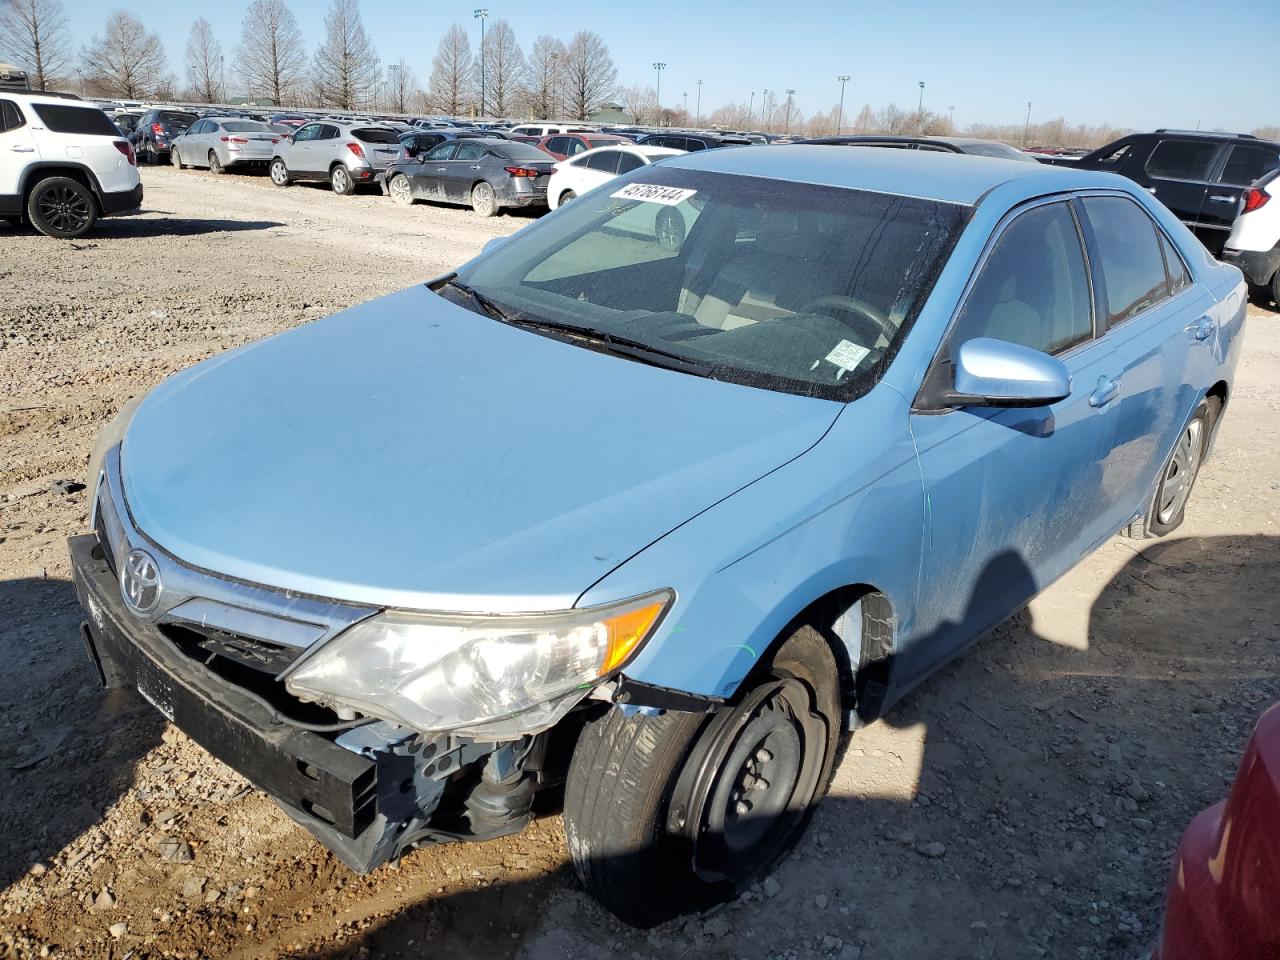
(1199, 176)
(155, 130)
(693, 141)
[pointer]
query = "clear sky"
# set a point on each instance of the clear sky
(1128, 63)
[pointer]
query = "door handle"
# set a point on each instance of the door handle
(475, 166)
(1222, 198)
(1106, 391)
(18, 148)
(1203, 328)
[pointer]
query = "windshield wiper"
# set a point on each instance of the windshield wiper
(620, 345)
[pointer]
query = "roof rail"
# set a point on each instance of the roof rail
(1207, 133)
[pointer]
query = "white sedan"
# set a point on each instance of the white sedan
(594, 167)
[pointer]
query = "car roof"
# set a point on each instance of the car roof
(950, 178)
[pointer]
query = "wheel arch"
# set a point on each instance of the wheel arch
(75, 171)
(1220, 391)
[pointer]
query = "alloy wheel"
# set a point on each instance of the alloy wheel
(64, 209)
(1179, 476)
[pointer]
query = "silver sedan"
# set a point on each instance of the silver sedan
(220, 143)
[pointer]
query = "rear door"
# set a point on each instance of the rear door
(1158, 327)
(1177, 173)
(597, 167)
(1243, 164)
(462, 171)
(18, 150)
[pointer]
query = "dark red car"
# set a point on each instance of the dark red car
(1224, 895)
(562, 146)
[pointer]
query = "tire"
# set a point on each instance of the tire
(61, 207)
(1274, 287)
(215, 165)
(483, 200)
(341, 181)
(400, 190)
(279, 173)
(176, 159)
(153, 155)
(653, 804)
(1168, 505)
(566, 197)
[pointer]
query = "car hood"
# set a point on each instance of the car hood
(409, 452)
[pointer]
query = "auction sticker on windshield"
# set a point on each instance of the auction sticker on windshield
(654, 193)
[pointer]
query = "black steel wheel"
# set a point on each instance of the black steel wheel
(61, 207)
(668, 814)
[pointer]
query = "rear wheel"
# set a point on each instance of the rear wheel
(340, 180)
(1275, 288)
(153, 155)
(61, 207)
(668, 814)
(215, 165)
(567, 196)
(400, 190)
(279, 173)
(1173, 490)
(483, 200)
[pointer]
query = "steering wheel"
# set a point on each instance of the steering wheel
(874, 321)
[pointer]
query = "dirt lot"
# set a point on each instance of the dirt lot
(1025, 802)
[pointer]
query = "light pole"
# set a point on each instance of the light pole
(920, 105)
(657, 94)
(552, 87)
(786, 127)
(396, 89)
(482, 14)
(951, 119)
(751, 109)
(764, 107)
(685, 108)
(1026, 128)
(697, 120)
(222, 77)
(840, 111)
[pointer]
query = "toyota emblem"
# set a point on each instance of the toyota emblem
(140, 582)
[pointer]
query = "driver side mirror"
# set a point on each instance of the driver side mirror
(996, 373)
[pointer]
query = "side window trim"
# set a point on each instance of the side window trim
(943, 355)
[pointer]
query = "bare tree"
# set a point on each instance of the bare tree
(641, 102)
(402, 86)
(345, 68)
(452, 72)
(734, 116)
(127, 60)
(545, 72)
(589, 74)
(204, 63)
(504, 69)
(271, 57)
(33, 33)
(865, 122)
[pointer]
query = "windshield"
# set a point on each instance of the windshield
(788, 286)
(245, 126)
(512, 150)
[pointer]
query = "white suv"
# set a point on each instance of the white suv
(1254, 244)
(63, 164)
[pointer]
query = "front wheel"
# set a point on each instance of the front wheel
(279, 173)
(668, 814)
(341, 181)
(61, 207)
(176, 159)
(483, 200)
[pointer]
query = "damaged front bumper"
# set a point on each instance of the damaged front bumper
(367, 793)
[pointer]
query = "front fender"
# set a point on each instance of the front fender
(849, 511)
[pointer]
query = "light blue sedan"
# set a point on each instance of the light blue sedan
(654, 499)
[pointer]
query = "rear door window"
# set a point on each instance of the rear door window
(1182, 159)
(1248, 162)
(1129, 261)
(84, 121)
(1179, 276)
(606, 161)
(470, 150)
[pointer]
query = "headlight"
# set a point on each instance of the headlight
(438, 672)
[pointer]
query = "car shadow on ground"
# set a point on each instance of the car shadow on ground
(113, 228)
(67, 748)
(1054, 777)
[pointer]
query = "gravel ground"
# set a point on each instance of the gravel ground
(1024, 802)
